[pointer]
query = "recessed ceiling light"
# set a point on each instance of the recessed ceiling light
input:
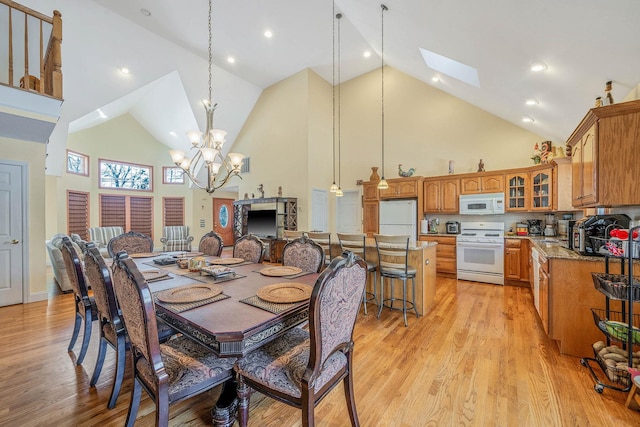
(145, 12)
(268, 34)
(124, 70)
(435, 79)
(531, 102)
(539, 66)
(367, 53)
(172, 133)
(231, 60)
(528, 119)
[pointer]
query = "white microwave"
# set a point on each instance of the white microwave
(482, 204)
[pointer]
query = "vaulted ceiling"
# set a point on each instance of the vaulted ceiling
(584, 43)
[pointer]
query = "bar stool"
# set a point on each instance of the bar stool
(356, 244)
(393, 259)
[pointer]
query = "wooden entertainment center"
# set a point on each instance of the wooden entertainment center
(286, 219)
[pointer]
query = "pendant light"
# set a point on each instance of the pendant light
(382, 185)
(339, 193)
(334, 187)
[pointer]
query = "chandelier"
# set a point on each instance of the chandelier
(207, 148)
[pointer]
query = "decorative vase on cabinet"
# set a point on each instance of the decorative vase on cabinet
(374, 174)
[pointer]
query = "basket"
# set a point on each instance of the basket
(614, 325)
(616, 285)
(614, 247)
(616, 375)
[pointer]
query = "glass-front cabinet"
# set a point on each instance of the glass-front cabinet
(542, 190)
(518, 191)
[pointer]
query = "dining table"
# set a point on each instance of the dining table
(237, 321)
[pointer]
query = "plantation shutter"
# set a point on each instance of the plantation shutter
(113, 211)
(173, 211)
(78, 214)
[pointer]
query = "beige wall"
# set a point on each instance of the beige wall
(33, 155)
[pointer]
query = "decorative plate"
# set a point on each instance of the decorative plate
(280, 271)
(190, 293)
(285, 292)
(144, 254)
(226, 261)
(152, 274)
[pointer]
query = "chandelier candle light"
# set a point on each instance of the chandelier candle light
(382, 185)
(208, 147)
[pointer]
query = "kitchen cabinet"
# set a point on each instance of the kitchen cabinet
(482, 183)
(544, 292)
(370, 191)
(605, 154)
(401, 188)
(542, 189)
(370, 217)
(516, 261)
(441, 195)
(518, 191)
(446, 264)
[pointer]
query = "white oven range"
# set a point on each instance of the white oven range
(480, 252)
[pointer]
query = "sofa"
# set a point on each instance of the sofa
(57, 263)
(100, 236)
(176, 238)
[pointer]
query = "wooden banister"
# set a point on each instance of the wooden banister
(48, 79)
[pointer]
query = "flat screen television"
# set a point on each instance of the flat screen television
(262, 223)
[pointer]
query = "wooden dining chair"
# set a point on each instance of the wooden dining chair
(168, 372)
(393, 261)
(356, 244)
(112, 331)
(249, 248)
(302, 366)
(324, 240)
(303, 253)
(211, 244)
(130, 242)
(85, 306)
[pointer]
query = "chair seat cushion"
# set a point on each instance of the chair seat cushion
(371, 266)
(190, 367)
(281, 364)
(398, 272)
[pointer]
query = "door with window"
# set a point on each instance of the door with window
(223, 219)
(11, 233)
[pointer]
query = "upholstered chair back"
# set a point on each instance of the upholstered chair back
(211, 244)
(303, 253)
(101, 235)
(73, 266)
(99, 278)
(131, 242)
(250, 248)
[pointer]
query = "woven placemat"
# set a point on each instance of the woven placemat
(179, 308)
(268, 306)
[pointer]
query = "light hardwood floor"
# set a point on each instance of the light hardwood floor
(479, 358)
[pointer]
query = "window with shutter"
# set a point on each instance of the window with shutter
(141, 215)
(132, 213)
(172, 211)
(78, 214)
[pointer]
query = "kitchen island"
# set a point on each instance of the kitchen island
(572, 295)
(422, 257)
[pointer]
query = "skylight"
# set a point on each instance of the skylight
(450, 67)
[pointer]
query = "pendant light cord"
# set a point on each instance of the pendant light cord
(210, 55)
(383, 7)
(333, 86)
(339, 16)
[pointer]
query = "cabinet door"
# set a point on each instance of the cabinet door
(517, 191)
(589, 179)
(576, 175)
(524, 261)
(512, 263)
(471, 185)
(449, 200)
(542, 190)
(370, 191)
(400, 189)
(370, 218)
(431, 197)
(544, 299)
(492, 183)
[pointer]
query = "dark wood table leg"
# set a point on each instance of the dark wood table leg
(244, 393)
(225, 411)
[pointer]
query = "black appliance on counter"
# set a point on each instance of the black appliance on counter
(594, 226)
(535, 227)
(453, 227)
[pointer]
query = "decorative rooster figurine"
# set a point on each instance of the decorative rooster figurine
(407, 173)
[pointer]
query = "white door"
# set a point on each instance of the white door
(349, 212)
(319, 210)
(11, 238)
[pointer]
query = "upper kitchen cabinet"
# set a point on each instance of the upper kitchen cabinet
(441, 195)
(605, 156)
(518, 190)
(401, 188)
(370, 191)
(542, 189)
(482, 183)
